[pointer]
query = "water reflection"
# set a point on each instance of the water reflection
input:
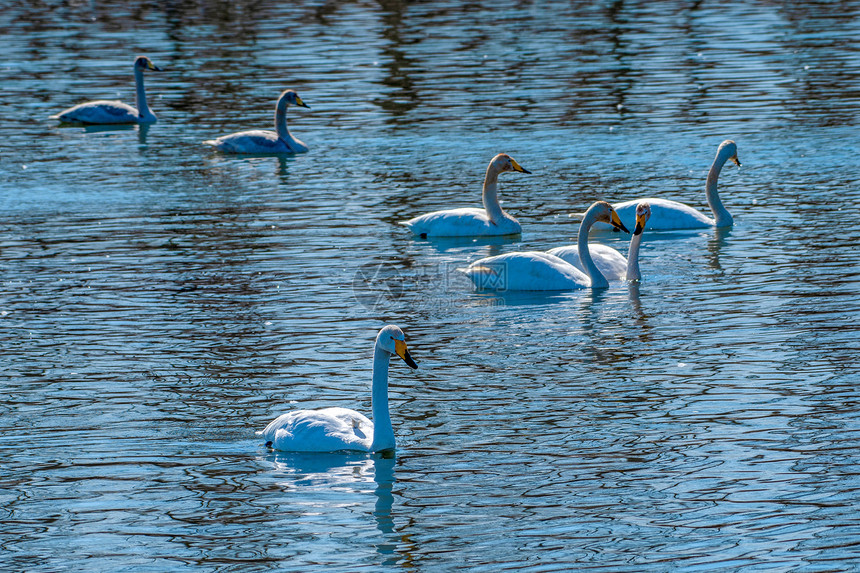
(521, 298)
(353, 472)
(383, 475)
(404, 95)
(105, 128)
(495, 244)
(716, 243)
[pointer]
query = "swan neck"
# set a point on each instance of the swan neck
(140, 94)
(490, 195)
(281, 120)
(383, 433)
(594, 274)
(633, 273)
(722, 217)
(281, 127)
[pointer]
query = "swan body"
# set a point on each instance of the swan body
(342, 429)
(102, 112)
(669, 215)
(470, 222)
(265, 142)
(538, 271)
(612, 264)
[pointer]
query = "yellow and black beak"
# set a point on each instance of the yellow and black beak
(153, 67)
(735, 160)
(402, 352)
(301, 103)
(518, 167)
(616, 223)
(640, 224)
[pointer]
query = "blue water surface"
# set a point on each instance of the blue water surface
(160, 302)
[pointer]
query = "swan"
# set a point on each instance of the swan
(106, 112)
(612, 264)
(342, 429)
(535, 270)
(671, 215)
(471, 222)
(262, 142)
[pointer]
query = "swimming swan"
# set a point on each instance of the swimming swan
(670, 215)
(471, 222)
(538, 271)
(106, 112)
(612, 264)
(264, 142)
(340, 429)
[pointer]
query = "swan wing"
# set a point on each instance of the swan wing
(99, 112)
(464, 222)
(525, 271)
(666, 215)
(326, 430)
(611, 263)
(250, 142)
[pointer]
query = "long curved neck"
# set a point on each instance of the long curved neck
(722, 217)
(633, 273)
(383, 433)
(490, 195)
(597, 278)
(140, 95)
(281, 125)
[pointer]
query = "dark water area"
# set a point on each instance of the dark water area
(160, 302)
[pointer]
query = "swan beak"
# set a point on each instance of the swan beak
(301, 103)
(153, 67)
(735, 160)
(400, 349)
(616, 223)
(640, 226)
(518, 167)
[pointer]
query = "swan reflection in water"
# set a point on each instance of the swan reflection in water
(350, 473)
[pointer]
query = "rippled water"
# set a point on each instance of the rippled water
(160, 302)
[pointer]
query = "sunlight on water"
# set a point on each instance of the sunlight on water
(161, 302)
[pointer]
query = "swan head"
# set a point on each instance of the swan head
(729, 150)
(643, 213)
(292, 98)
(603, 212)
(392, 340)
(144, 63)
(504, 162)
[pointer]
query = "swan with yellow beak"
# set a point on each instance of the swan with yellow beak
(539, 271)
(260, 142)
(612, 264)
(342, 429)
(492, 220)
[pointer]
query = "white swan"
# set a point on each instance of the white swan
(264, 142)
(534, 270)
(612, 264)
(341, 429)
(106, 112)
(671, 215)
(470, 222)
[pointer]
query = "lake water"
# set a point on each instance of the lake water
(160, 302)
